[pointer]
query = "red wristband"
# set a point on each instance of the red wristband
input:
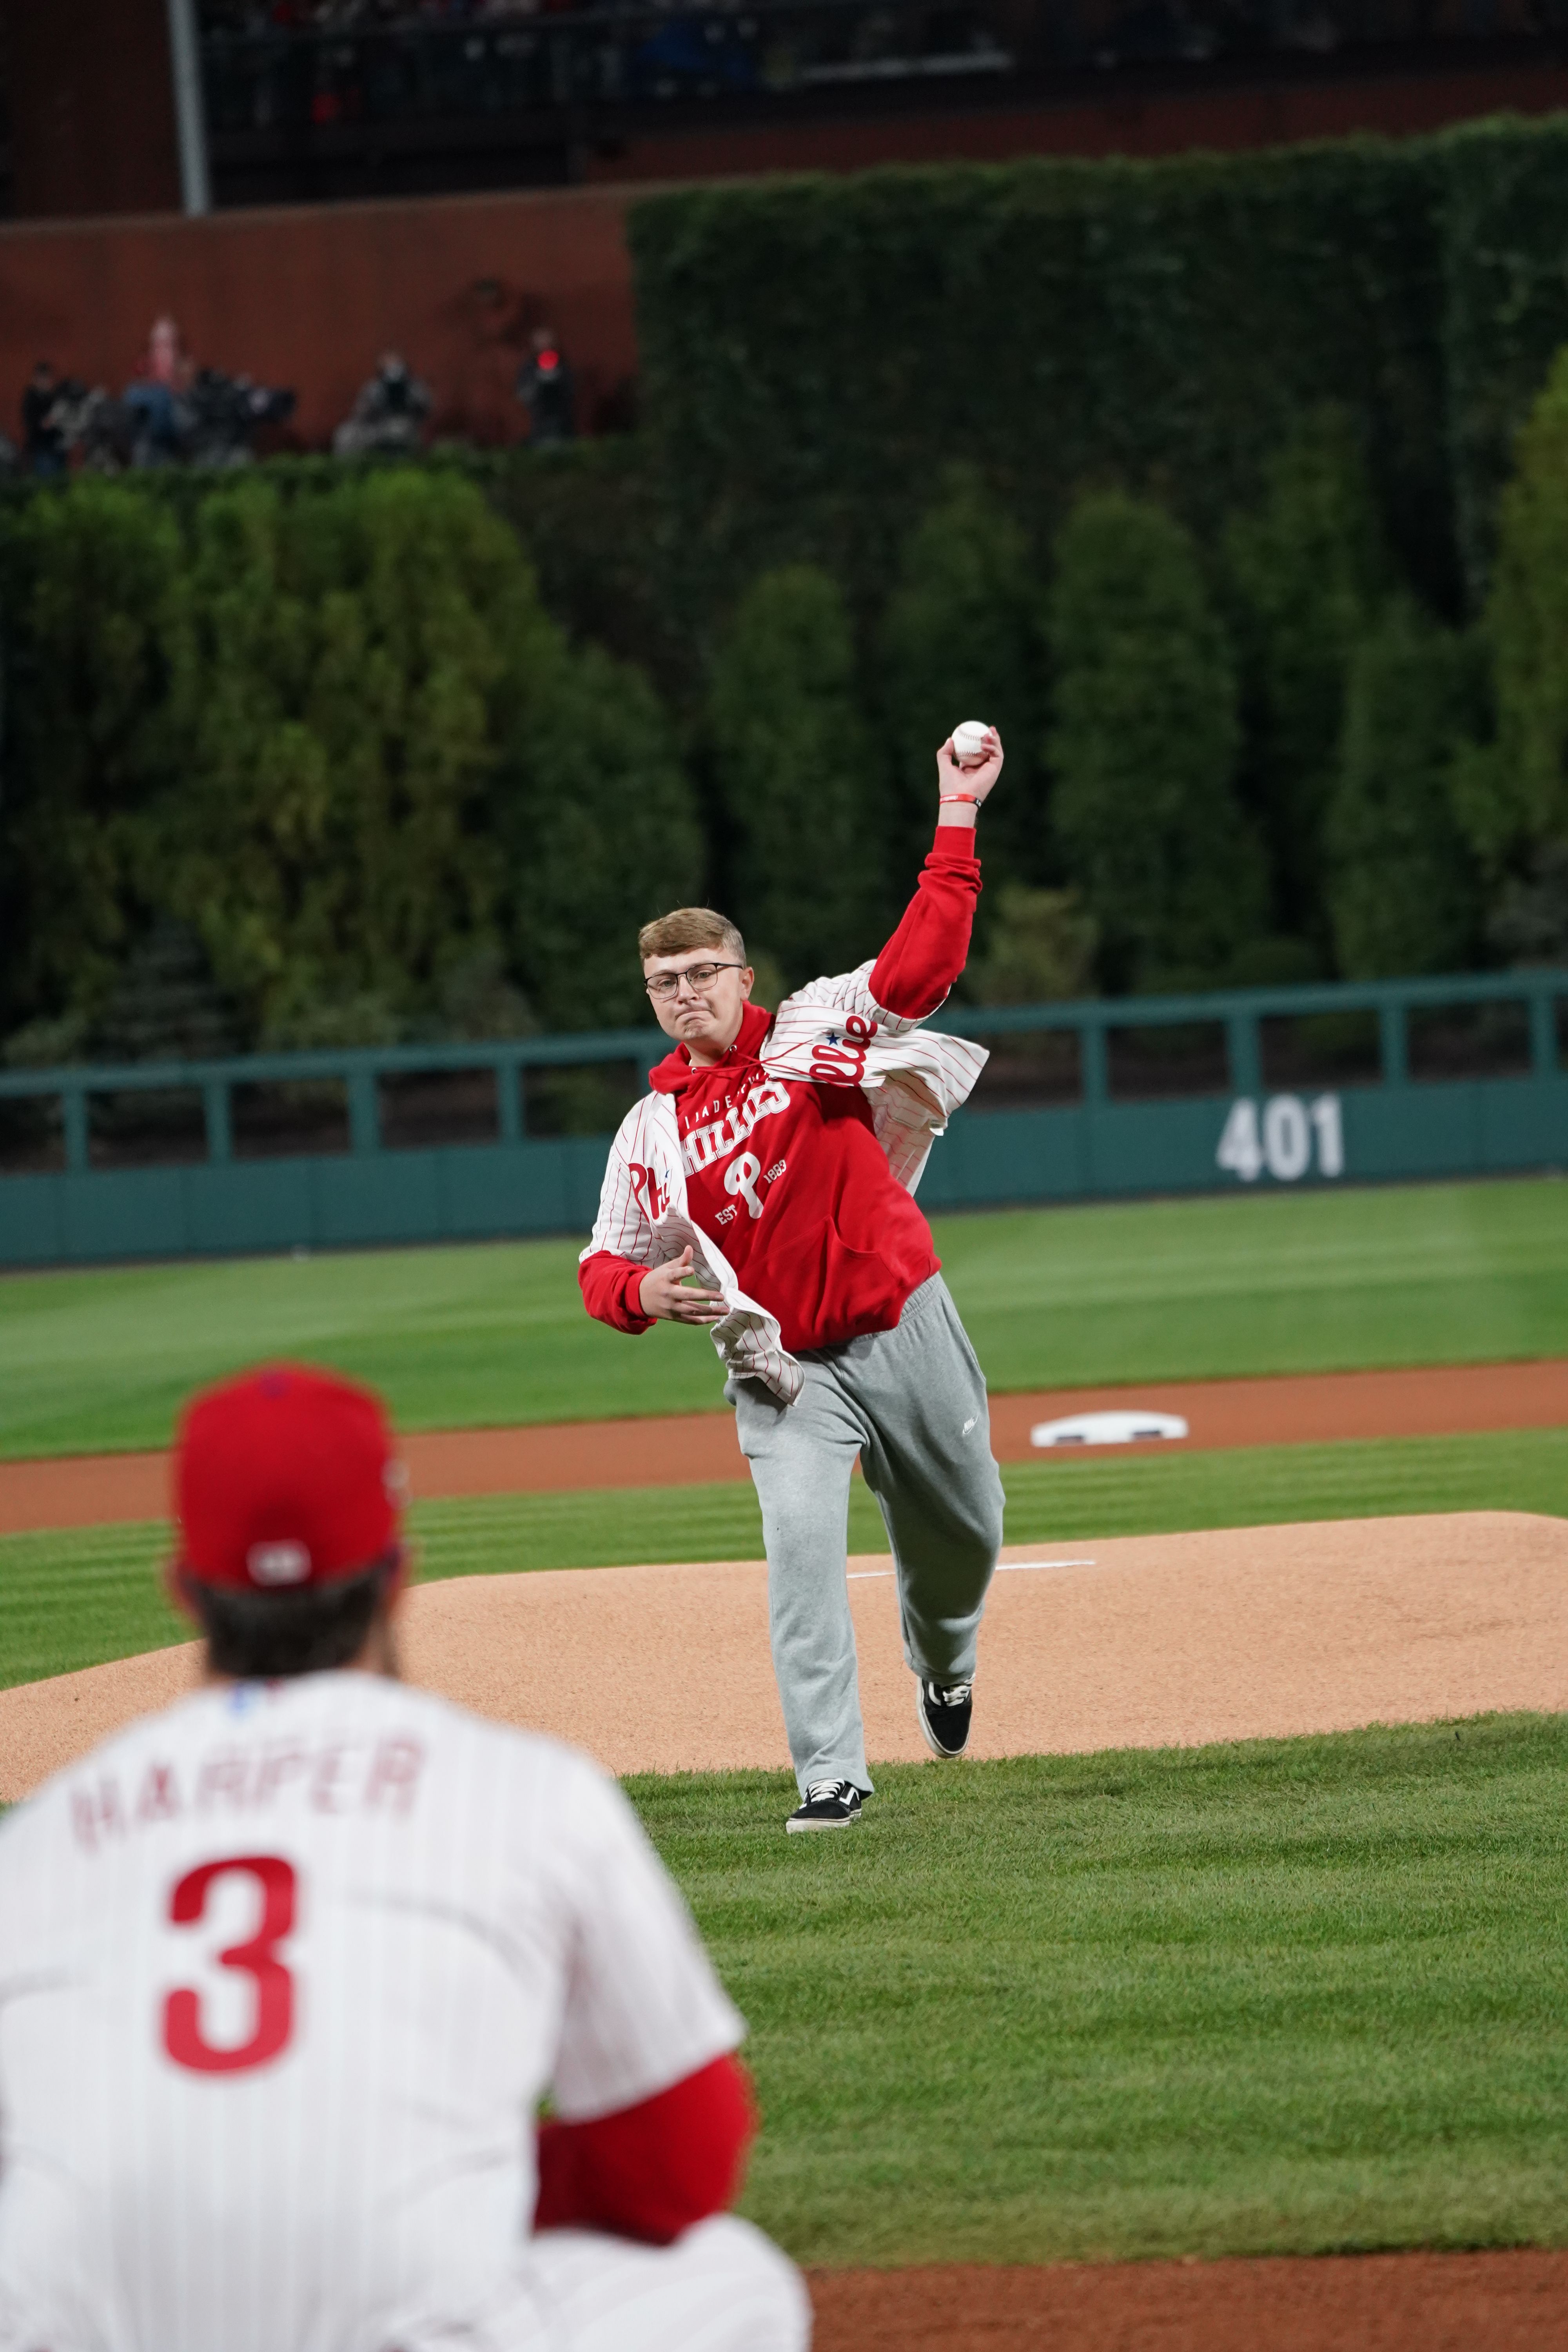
(973, 799)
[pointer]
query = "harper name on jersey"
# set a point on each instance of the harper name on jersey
(285, 1972)
(230, 1782)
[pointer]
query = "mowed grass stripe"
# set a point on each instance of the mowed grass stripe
(1285, 1996)
(496, 1334)
(79, 1596)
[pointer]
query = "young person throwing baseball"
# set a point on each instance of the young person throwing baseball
(285, 1971)
(764, 1188)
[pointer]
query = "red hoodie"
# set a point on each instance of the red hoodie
(821, 1236)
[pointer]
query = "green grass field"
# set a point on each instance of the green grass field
(79, 1596)
(1284, 1996)
(460, 1337)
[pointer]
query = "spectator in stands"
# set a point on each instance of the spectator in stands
(155, 398)
(43, 438)
(547, 389)
(390, 412)
(167, 362)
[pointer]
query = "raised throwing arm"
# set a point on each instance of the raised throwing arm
(929, 949)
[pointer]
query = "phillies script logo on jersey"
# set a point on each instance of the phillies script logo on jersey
(653, 1196)
(703, 1145)
(840, 1060)
(832, 1065)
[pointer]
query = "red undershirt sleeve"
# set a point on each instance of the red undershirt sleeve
(652, 2171)
(611, 1286)
(930, 946)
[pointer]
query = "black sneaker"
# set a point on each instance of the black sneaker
(827, 1805)
(944, 1710)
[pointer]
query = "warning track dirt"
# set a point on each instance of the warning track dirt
(694, 1449)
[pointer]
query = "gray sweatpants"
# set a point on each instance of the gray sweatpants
(912, 1403)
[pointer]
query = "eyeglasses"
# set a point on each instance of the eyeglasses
(699, 977)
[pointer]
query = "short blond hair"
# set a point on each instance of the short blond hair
(691, 927)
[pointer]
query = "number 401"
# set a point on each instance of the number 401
(1283, 1141)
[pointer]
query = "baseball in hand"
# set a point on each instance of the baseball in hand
(969, 742)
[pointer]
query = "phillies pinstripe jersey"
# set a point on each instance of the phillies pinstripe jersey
(285, 1972)
(831, 1034)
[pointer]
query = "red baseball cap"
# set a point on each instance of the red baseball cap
(285, 1477)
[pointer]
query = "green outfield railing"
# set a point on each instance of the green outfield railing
(1113, 1096)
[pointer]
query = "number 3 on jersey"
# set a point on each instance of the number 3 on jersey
(185, 2037)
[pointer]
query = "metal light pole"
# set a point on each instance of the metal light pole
(190, 115)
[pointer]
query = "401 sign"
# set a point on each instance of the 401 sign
(1287, 1138)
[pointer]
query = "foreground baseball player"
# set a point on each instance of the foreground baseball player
(765, 1188)
(285, 1971)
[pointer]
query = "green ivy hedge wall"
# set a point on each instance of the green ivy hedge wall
(879, 414)
(815, 350)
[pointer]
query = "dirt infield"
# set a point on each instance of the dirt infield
(1135, 1641)
(1509, 2302)
(692, 1449)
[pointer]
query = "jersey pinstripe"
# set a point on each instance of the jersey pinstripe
(284, 1973)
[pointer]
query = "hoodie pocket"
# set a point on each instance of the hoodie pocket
(860, 1291)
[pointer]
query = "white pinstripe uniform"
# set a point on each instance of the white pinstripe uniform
(832, 1032)
(284, 1973)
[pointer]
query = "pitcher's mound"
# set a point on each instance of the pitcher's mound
(1142, 1642)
